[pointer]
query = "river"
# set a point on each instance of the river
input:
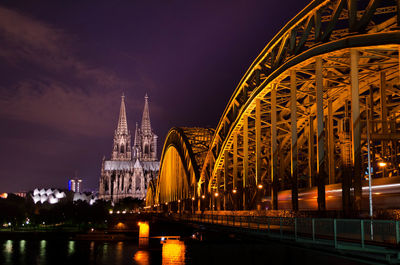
(217, 250)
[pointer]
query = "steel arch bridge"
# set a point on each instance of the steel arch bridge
(183, 152)
(298, 117)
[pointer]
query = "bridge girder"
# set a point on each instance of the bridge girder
(357, 51)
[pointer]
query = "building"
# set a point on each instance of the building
(75, 185)
(131, 167)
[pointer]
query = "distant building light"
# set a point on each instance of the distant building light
(260, 186)
(4, 195)
(234, 191)
(75, 185)
(216, 194)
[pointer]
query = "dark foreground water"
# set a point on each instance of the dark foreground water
(227, 251)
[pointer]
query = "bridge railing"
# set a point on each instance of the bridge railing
(338, 233)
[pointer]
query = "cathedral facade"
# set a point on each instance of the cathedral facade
(131, 167)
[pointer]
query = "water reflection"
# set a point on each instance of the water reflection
(143, 242)
(22, 246)
(119, 249)
(8, 251)
(42, 252)
(142, 257)
(173, 252)
(8, 247)
(71, 248)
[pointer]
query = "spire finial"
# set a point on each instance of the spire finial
(146, 127)
(122, 127)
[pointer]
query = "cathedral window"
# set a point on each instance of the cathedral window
(138, 183)
(122, 149)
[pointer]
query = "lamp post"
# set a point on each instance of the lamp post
(369, 172)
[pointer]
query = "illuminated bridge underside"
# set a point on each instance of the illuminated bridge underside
(298, 116)
(184, 150)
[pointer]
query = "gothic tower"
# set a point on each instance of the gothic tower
(145, 143)
(122, 137)
(131, 168)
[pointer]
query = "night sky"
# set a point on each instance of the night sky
(65, 64)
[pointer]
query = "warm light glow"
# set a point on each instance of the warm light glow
(144, 229)
(173, 252)
(382, 164)
(166, 203)
(216, 194)
(118, 212)
(260, 186)
(192, 198)
(203, 196)
(234, 191)
(179, 200)
(142, 257)
(120, 226)
(4, 195)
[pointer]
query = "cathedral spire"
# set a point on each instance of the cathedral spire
(146, 127)
(136, 140)
(122, 123)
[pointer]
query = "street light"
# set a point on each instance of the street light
(382, 164)
(216, 194)
(234, 191)
(260, 186)
(203, 196)
(371, 213)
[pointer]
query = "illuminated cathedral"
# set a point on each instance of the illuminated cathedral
(131, 167)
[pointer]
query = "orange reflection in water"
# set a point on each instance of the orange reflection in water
(173, 252)
(143, 242)
(142, 257)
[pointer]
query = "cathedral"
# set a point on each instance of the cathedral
(131, 167)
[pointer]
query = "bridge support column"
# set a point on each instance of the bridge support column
(331, 145)
(217, 193)
(293, 149)
(235, 171)
(356, 128)
(245, 159)
(383, 116)
(226, 168)
(311, 158)
(320, 134)
(274, 152)
(259, 184)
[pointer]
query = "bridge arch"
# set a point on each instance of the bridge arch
(184, 150)
(298, 116)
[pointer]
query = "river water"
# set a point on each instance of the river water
(225, 251)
